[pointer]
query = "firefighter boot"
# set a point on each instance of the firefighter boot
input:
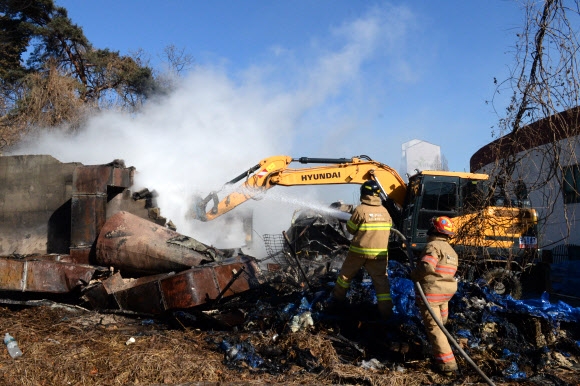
(334, 305)
(385, 309)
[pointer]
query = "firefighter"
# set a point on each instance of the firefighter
(370, 224)
(435, 274)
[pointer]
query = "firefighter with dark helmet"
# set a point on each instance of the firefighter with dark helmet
(370, 224)
(435, 274)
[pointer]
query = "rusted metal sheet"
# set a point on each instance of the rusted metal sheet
(43, 274)
(224, 273)
(92, 188)
(96, 178)
(80, 255)
(88, 214)
(190, 288)
(138, 246)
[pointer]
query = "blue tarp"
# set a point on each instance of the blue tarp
(403, 293)
(541, 307)
(473, 303)
(565, 277)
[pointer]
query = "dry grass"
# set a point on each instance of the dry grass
(63, 346)
(67, 346)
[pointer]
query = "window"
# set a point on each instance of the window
(571, 184)
(439, 196)
(472, 194)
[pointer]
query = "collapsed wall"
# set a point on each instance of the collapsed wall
(65, 226)
(52, 207)
(35, 197)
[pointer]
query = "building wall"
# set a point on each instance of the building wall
(36, 194)
(558, 222)
(553, 140)
(35, 191)
(421, 155)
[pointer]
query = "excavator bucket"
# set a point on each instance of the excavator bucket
(199, 208)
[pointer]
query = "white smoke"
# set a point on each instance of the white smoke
(217, 124)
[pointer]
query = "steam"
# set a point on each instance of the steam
(218, 123)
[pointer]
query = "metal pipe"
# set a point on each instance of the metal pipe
(293, 252)
(227, 287)
(426, 302)
(449, 337)
(306, 160)
(244, 174)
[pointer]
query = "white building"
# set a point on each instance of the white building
(548, 164)
(553, 187)
(421, 155)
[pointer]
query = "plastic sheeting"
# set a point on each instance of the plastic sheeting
(481, 319)
(403, 294)
(541, 307)
(565, 277)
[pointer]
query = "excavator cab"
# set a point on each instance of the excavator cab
(495, 239)
(430, 195)
(462, 196)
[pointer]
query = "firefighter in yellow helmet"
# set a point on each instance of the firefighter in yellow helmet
(370, 224)
(435, 274)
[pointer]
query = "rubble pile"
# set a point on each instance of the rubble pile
(104, 291)
(511, 340)
(273, 335)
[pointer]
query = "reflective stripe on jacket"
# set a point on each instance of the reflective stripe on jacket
(435, 272)
(371, 225)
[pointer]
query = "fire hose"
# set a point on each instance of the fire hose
(452, 340)
(436, 319)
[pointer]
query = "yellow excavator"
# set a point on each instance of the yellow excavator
(496, 237)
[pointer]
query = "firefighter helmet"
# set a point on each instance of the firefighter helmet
(443, 225)
(370, 188)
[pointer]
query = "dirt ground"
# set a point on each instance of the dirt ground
(69, 345)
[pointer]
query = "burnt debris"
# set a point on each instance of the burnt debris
(82, 237)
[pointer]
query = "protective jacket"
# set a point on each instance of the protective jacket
(435, 272)
(371, 225)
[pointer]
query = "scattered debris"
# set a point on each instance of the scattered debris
(123, 298)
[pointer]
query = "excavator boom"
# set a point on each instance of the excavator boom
(494, 236)
(274, 171)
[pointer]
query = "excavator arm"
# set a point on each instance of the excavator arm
(274, 171)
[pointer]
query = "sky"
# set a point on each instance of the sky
(325, 78)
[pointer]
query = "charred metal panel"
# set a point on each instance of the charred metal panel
(142, 296)
(121, 177)
(32, 189)
(224, 274)
(49, 276)
(186, 289)
(88, 214)
(11, 275)
(98, 293)
(138, 246)
(91, 179)
(96, 179)
(190, 288)
(138, 295)
(89, 200)
(80, 255)
(43, 274)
